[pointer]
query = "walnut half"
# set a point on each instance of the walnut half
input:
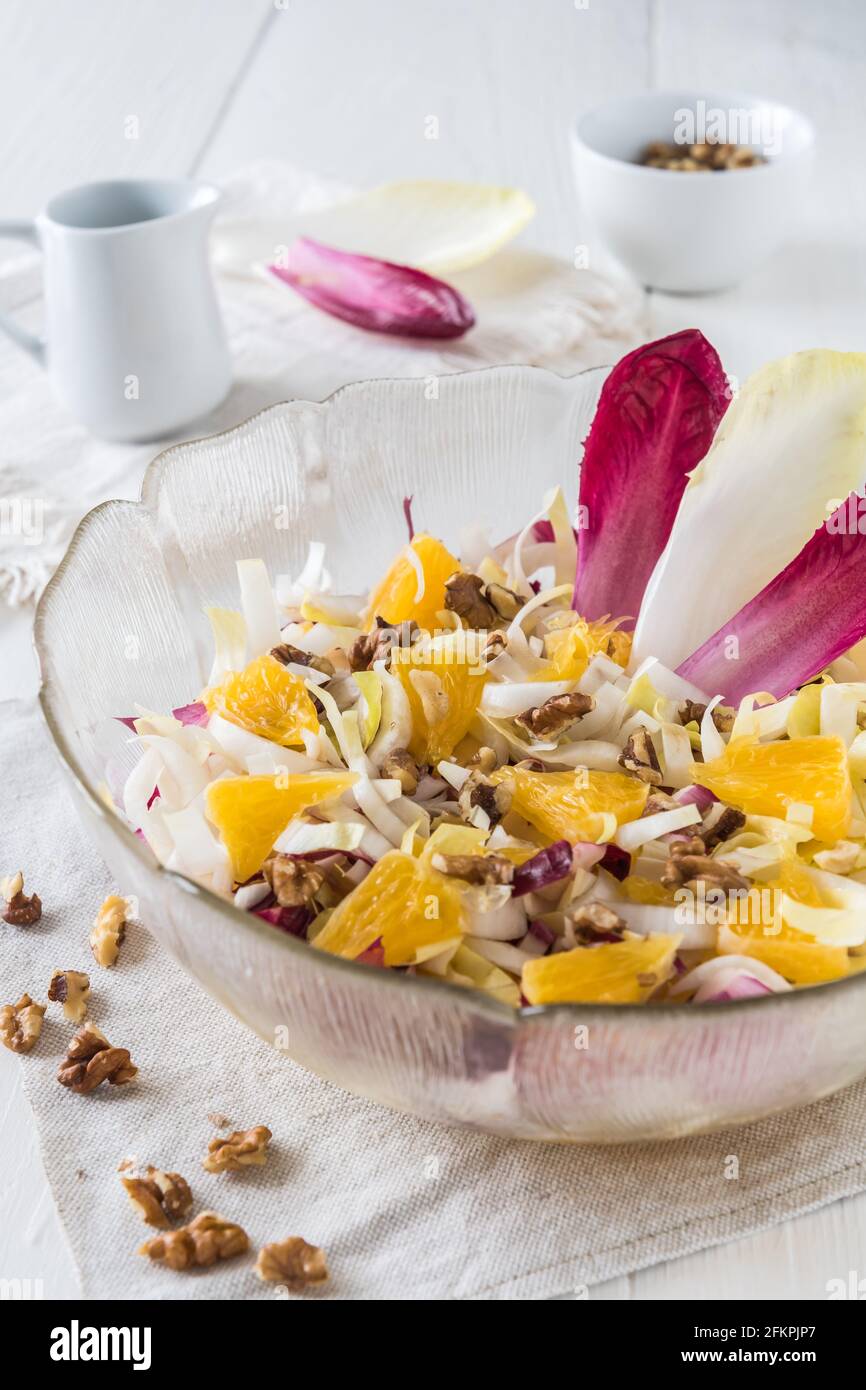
(71, 988)
(556, 714)
(205, 1240)
(159, 1198)
(244, 1148)
(292, 1262)
(91, 1059)
(21, 1024)
(108, 931)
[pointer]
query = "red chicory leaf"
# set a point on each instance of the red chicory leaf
(293, 920)
(195, 713)
(655, 420)
(616, 861)
(810, 614)
(548, 866)
(373, 294)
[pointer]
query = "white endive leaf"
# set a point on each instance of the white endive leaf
(791, 446)
(436, 226)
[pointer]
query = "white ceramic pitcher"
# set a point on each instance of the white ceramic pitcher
(134, 346)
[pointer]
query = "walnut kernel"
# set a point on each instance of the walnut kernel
(21, 1024)
(244, 1148)
(159, 1198)
(292, 1262)
(91, 1059)
(109, 930)
(205, 1240)
(71, 988)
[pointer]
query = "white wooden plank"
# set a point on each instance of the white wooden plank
(76, 77)
(349, 90)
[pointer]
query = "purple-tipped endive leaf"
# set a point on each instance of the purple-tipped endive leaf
(806, 617)
(377, 295)
(656, 417)
(790, 449)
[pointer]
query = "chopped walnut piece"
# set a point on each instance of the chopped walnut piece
(295, 882)
(494, 644)
(475, 868)
(639, 757)
(19, 910)
(71, 988)
(593, 923)
(505, 601)
(21, 1024)
(401, 765)
(693, 712)
(292, 1262)
(205, 1240)
(286, 654)
(485, 760)
(376, 645)
(90, 1060)
(244, 1148)
(464, 595)
(719, 824)
(687, 865)
(660, 801)
(108, 931)
(556, 714)
(478, 793)
(219, 1121)
(159, 1198)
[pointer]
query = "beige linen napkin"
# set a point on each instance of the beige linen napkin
(404, 1209)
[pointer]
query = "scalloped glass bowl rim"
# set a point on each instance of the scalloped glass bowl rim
(234, 917)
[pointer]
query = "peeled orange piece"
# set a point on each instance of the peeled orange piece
(250, 813)
(570, 805)
(413, 909)
(802, 961)
(394, 597)
(620, 972)
(444, 686)
(764, 779)
(265, 699)
(570, 649)
(756, 930)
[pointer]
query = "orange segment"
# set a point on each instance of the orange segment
(569, 649)
(621, 972)
(764, 779)
(265, 699)
(444, 693)
(756, 931)
(569, 805)
(647, 890)
(251, 812)
(415, 910)
(803, 961)
(394, 597)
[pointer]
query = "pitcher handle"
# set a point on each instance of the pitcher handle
(22, 231)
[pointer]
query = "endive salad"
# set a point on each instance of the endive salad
(619, 757)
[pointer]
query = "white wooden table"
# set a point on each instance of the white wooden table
(345, 87)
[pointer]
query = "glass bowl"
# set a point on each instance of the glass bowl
(121, 624)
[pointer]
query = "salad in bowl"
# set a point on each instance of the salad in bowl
(617, 757)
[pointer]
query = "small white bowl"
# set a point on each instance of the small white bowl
(689, 231)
